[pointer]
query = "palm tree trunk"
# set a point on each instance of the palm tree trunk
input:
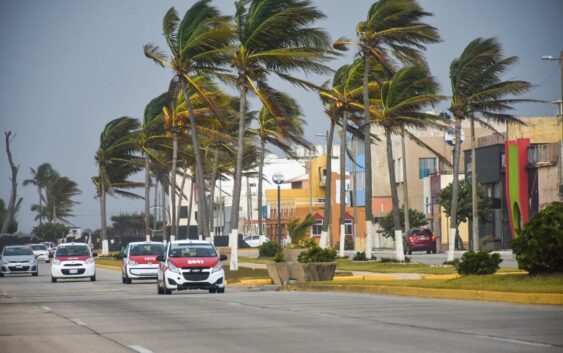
(200, 180)
(11, 210)
(260, 176)
(343, 185)
(147, 197)
(213, 181)
(367, 163)
(40, 206)
(191, 202)
(173, 235)
(233, 237)
(474, 213)
(455, 190)
(104, 231)
(164, 218)
(154, 220)
(405, 184)
(399, 254)
(328, 186)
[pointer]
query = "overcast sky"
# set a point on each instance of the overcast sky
(69, 67)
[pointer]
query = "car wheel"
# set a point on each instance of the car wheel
(53, 280)
(122, 279)
(1, 274)
(93, 278)
(428, 251)
(35, 274)
(409, 251)
(166, 290)
(159, 289)
(213, 290)
(221, 290)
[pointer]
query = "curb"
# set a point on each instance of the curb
(508, 297)
(257, 281)
(108, 267)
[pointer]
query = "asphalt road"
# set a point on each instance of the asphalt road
(107, 316)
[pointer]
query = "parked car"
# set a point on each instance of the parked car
(190, 264)
(255, 241)
(41, 252)
(139, 261)
(73, 260)
(419, 239)
(16, 259)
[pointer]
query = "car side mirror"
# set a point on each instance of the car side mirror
(160, 258)
(94, 254)
(222, 257)
(36, 256)
(124, 256)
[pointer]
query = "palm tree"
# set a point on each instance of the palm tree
(400, 101)
(280, 131)
(479, 94)
(59, 193)
(41, 178)
(116, 160)
(274, 37)
(392, 29)
(197, 43)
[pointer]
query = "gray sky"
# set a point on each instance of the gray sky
(69, 67)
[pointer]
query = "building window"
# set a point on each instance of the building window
(317, 228)
(348, 227)
(426, 166)
(184, 212)
(297, 185)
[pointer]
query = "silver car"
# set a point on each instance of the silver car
(18, 259)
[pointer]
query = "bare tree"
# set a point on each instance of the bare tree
(10, 212)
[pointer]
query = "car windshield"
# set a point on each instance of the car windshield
(192, 250)
(146, 249)
(73, 251)
(39, 247)
(17, 251)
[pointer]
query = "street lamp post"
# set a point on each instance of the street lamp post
(560, 111)
(278, 179)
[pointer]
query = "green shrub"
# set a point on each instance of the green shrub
(360, 256)
(539, 246)
(317, 254)
(269, 249)
(297, 229)
(279, 256)
(478, 263)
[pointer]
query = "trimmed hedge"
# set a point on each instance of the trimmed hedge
(478, 263)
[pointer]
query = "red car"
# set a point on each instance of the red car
(419, 239)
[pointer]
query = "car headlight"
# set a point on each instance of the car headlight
(217, 267)
(131, 262)
(90, 260)
(173, 268)
(56, 262)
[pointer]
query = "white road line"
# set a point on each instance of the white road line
(526, 343)
(140, 349)
(79, 322)
(46, 308)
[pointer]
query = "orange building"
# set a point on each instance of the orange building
(306, 194)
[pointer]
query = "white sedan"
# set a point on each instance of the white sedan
(73, 260)
(41, 252)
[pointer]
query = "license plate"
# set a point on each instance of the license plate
(423, 238)
(73, 271)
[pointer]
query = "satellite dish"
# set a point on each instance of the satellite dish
(449, 136)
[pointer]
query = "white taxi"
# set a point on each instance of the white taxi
(139, 261)
(73, 260)
(190, 264)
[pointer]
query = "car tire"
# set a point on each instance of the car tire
(122, 279)
(166, 290)
(409, 251)
(93, 278)
(159, 289)
(35, 274)
(53, 280)
(221, 290)
(428, 251)
(1, 274)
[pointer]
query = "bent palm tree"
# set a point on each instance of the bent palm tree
(197, 44)
(392, 29)
(116, 160)
(274, 37)
(401, 100)
(41, 178)
(479, 94)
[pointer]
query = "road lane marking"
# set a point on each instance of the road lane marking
(79, 322)
(526, 343)
(140, 349)
(46, 308)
